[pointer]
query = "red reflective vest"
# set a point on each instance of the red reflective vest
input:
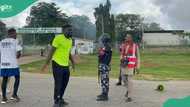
(132, 59)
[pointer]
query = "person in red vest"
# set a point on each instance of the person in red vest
(130, 60)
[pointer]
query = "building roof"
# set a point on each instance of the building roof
(165, 31)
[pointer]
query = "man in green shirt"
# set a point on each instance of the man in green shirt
(60, 54)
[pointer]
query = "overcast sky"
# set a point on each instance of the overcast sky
(171, 14)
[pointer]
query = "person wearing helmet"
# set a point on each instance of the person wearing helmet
(104, 59)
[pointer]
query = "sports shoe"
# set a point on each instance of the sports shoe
(4, 101)
(102, 98)
(118, 84)
(15, 98)
(56, 105)
(129, 99)
(63, 102)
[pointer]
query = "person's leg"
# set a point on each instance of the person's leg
(4, 87)
(65, 80)
(1, 84)
(16, 85)
(105, 82)
(130, 85)
(9, 85)
(104, 85)
(120, 78)
(124, 79)
(57, 82)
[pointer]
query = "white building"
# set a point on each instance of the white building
(165, 38)
(83, 46)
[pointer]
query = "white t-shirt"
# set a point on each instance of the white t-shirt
(8, 52)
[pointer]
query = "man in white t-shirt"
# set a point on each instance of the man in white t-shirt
(10, 52)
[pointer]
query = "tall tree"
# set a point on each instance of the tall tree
(104, 20)
(128, 23)
(45, 15)
(152, 26)
(2, 30)
(82, 26)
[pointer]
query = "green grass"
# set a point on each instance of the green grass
(154, 66)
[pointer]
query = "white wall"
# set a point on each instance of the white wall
(84, 46)
(161, 39)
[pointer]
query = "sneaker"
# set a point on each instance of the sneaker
(4, 101)
(118, 84)
(102, 98)
(15, 98)
(63, 102)
(99, 96)
(129, 99)
(56, 105)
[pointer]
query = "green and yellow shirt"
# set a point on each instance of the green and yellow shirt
(63, 47)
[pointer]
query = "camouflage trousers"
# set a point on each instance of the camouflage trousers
(104, 76)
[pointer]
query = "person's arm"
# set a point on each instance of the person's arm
(18, 49)
(72, 61)
(18, 54)
(49, 57)
(54, 45)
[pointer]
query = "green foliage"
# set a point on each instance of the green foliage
(2, 30)
(105, 22)
(82, 27)
(152, 26)
(128, 23)
(44, 15)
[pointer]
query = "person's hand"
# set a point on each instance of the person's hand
(138, 71)
(73, 67)
(44, 68)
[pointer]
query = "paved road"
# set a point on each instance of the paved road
(37, 89)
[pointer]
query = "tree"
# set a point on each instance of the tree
(82, 26)
(129, 23)
(2, 30)
(104, 20)
(45, 15)
(152, 26)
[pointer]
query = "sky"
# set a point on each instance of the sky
(170, 14)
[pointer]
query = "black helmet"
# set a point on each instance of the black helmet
(105, 40)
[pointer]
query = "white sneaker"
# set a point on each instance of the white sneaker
(4, 101)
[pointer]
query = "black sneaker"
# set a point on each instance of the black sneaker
(129, 99)
(15, 98)
(99, 96)
(102, 98)
(63, 102)
(4, 101)
(118, 84)
(56, 105)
